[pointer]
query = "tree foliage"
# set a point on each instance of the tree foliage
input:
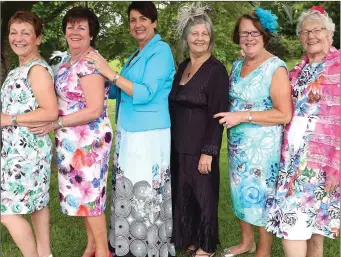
(115, 42)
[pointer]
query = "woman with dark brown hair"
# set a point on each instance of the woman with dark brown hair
(83, 131)
(141, 207)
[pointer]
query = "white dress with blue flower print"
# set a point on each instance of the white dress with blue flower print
(254, 150)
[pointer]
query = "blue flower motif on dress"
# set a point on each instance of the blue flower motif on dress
(72, 201)
(96, 182)
(267, 19)
(93, 125)
(252, 194)
(69, 145)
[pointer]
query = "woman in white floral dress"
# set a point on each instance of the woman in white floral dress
(28, 99)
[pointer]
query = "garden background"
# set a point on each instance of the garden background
(68, 238)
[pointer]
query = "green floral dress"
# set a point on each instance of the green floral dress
(25, 158)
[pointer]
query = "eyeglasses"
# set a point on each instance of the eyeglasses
(247, 33)
(315, 32)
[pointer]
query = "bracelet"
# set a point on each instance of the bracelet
(14, 120)
(250, 117)
(60, 122)
(116, 77)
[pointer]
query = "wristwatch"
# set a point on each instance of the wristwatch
(250, 117)
(14, 120)
(116, 77)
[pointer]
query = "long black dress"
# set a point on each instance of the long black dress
(195, 132)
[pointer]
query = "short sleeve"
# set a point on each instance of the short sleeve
(83, 69)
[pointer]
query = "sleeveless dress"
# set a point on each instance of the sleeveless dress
(253, 150)
(25, 157)
(310, 153)
(82, 151)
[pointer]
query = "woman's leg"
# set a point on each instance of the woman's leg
(295, 248)
(264, 244)
(22, 234)
(91, 245)
(315, 246)
(248, 241)
(98, 228)
(41, 224)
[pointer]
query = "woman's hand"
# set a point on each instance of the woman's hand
(205, 162)
(44, 129)
(331, 183)
(96, 61)
(231, 119)
(6, 120)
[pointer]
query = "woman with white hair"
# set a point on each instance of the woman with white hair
(307, 205)
(200, 89)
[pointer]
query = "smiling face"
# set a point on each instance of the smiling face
(23, 39)
(141, 27)
(198, 39)
(251, 46)
(78, 35)
(315, 38)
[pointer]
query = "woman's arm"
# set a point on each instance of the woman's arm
(43, 90)
(97, 62)
(158, 69)
(217, 101)
(93, 89)
(280, 93)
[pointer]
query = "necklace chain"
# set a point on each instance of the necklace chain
(79, 56)
(246, 64)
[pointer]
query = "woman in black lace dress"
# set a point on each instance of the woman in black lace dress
(200, 90)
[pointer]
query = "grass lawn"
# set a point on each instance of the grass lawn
(68, 237)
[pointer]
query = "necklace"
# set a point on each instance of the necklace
(79, 56)
(246, 64)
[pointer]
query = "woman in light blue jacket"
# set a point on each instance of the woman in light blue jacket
(141, 211)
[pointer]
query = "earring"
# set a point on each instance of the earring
(90, 38)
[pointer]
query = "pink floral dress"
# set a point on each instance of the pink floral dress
(310, 154)
(82, 151)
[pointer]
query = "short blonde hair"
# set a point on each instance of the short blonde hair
(314, 15)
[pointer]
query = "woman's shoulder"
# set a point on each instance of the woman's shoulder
(39, 62)
(216, 65)
(161, 46)
(274, 62)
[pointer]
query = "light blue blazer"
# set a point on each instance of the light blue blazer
(152, 72)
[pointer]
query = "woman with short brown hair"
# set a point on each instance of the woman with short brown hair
(27, 99)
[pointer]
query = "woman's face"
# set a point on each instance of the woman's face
(199, 39)
(77, 35)
(23, 39)
(141, 27)
(251, 45)
(315, 38)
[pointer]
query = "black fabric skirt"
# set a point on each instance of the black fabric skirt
(195, 203)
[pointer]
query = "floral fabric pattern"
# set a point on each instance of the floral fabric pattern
(141, 209)
(82, 151)
(25, 157)
(253, 150)
(310, 154)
